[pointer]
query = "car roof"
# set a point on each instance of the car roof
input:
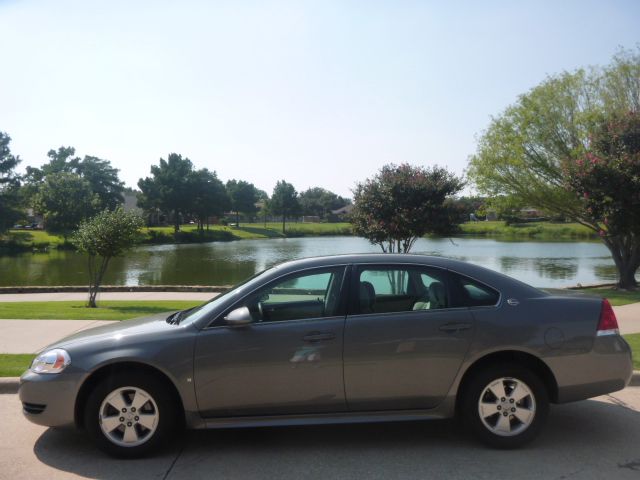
(379, 258)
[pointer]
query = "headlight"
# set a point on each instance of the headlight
(51, 361)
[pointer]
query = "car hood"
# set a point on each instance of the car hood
(117, 331)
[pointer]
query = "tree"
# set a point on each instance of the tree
(103, 179)
(65, 199)
(403, 203)
(244, 196)
(524, 152)
(209, 196)
(62, 160)
(169, 187)
(262, 195)
(101, 176)
(108, 234)
(320, 202)
(284, 201)
(464, 207)
(9, 183)
(606, 180)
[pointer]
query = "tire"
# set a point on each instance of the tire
(131, 415)
(499, 389)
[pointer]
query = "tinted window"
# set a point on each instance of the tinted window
(387, 289)
(470, 293)
(306, 295)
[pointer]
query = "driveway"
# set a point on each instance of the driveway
(591, 439)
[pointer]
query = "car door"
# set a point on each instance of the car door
(287, 361)
(404, 343)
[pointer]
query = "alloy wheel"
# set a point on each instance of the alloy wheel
(128, 416)
(507, 406)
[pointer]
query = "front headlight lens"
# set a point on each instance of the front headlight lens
(51, 361)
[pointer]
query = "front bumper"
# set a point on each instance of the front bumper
(49, 399)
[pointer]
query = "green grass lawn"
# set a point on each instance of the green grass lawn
(13, 365)
(615, 297)
(634, 341)
(263, 230)
(537, 230)
(21, 240)
(75, 310)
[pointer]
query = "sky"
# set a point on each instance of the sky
(318, 93)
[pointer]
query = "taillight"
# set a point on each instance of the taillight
(608, 324)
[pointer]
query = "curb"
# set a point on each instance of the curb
(9, 385)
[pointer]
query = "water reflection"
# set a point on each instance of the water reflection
(605, 272)
(557, 268)
(547, 264)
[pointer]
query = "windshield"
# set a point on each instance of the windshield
(205, 309)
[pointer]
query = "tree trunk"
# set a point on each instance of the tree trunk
(93, 292)
(96, 274)
(91, 303)
(626, 255)
(627, 279)
(283, 222)
(237, 218)
(176, 221)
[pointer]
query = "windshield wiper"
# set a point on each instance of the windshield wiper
(177, 317)
(174, 318)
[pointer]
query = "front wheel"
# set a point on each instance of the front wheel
(130, 415)
(505, 406)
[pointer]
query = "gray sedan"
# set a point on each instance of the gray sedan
(356, 338)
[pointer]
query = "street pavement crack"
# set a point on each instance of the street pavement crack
(621, 403)
(168, 472)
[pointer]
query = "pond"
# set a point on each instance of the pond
(543, 264)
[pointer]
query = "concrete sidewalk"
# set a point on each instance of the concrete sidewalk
(628, 318)
(29, 336)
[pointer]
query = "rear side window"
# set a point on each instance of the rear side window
(383, 289)
(471, 293)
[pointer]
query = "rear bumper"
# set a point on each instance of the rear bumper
(49, 400)
(607, 368)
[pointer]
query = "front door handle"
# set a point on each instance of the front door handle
(318, 336)
(455, 327)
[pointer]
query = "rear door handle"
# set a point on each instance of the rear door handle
(455, 327)
(318, 336)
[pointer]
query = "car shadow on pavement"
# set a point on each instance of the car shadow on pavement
(575, 435)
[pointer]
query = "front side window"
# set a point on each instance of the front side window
(388, 289)
(312, 294)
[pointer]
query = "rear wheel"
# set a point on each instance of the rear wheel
(505, 406)
(130, 415)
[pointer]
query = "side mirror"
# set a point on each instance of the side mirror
(239, 317)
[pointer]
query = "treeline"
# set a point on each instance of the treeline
(68, 189)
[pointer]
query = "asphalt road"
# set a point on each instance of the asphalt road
(597, 438)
